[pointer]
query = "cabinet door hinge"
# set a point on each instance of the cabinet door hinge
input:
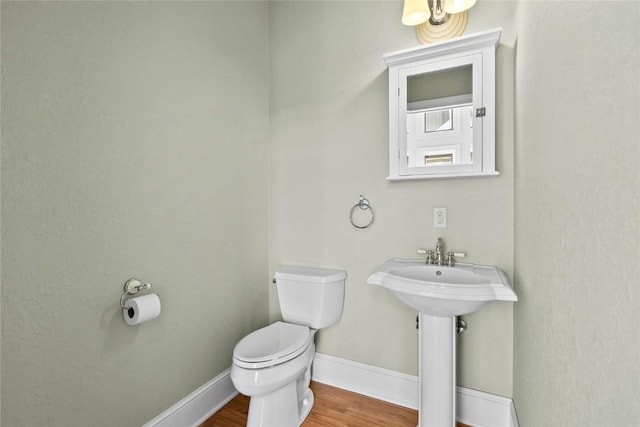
(481, 112)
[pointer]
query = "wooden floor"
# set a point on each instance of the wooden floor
(333, 407)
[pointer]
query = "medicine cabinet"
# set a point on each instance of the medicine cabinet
(442, 109)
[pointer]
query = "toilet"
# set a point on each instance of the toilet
(272, 365)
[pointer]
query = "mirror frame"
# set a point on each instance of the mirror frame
(477, 50)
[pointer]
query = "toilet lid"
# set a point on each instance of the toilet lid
(271, 345)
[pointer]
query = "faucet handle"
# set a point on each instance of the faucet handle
(429, 254)
(451, 254)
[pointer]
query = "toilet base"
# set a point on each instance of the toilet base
(280, 408)
(305, 405)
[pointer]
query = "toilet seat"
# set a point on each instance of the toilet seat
(272, 345)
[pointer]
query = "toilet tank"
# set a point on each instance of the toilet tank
(312, 297)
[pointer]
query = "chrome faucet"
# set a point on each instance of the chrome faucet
(439, 255)
(439, 251)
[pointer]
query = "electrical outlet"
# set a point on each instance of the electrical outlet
(439, 217)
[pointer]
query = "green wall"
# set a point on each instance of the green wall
(577, 228)
(134, 143)
(329, 144)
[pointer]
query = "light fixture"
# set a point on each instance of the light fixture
(436, 19)
(415, 12)
(457, 6)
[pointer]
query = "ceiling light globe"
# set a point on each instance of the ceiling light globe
(415, 12)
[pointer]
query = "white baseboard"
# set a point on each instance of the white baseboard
(475, 408)
(481, 409)
(194, 409)
(379, 383)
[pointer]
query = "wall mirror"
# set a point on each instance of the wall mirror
(442, 109)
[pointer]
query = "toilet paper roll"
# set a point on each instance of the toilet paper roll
(140, 309)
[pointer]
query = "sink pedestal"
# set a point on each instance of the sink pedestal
(437, 371)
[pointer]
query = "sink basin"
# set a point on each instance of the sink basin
(442, 290)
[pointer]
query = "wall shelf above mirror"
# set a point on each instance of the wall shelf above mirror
(442, 109)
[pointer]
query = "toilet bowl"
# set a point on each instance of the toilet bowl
(272, 365)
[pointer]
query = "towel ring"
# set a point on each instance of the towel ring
(364, 205)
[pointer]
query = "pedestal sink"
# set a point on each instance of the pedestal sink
(440, 293)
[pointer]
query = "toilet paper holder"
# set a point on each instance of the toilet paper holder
(132, 287)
